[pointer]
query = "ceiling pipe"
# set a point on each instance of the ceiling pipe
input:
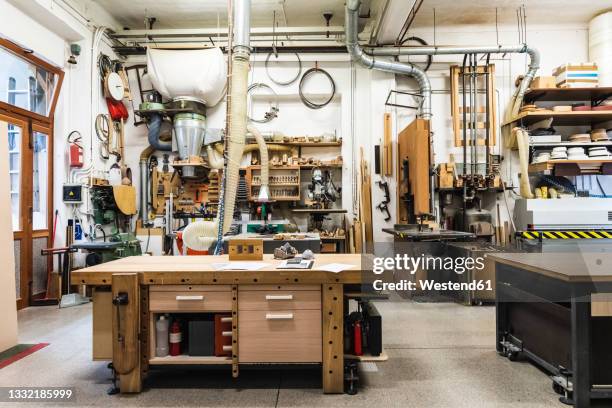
(534, 56)
(358, 55)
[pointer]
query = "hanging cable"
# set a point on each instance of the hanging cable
(313, 71)
(287, 82)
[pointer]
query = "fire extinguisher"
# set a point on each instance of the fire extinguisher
(175, 339)
(357, 338)
(75, 149)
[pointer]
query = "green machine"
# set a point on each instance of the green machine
(117, 244)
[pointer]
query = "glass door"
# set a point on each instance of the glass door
(14, 133)
(41, 195)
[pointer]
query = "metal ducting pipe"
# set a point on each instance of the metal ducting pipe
(534, 63)
(358, 55)
(144, 185)
(155, 124)
(241, 52)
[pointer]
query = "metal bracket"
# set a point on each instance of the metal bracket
(397, 105)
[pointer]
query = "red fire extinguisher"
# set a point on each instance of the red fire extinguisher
(357, 338)
(75, 149)
(175, 339)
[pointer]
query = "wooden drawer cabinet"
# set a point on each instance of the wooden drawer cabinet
(279, 300)
(194, 298)
(289, 336)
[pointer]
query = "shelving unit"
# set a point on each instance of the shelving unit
(278, 190)
(592, 118)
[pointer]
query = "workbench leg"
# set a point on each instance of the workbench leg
(235, 331)
(581, 356)
(126, 327)
(333, 350)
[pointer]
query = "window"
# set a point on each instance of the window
(14, 147)
(32, 84)
(40, 178)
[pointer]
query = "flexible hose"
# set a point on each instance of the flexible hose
(155, 124)
(237, 137)
(214, 161)
(252, 147)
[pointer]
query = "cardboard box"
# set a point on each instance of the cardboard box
(543, 82)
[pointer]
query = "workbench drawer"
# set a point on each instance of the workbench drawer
(288, 336)
(279, 300)
(278, 287)
(190, 301)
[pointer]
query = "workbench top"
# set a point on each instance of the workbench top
(566, 266)
(155, 270)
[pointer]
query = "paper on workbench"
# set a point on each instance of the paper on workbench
(334, 267)
(239, 266)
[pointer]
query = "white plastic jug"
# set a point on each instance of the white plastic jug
(161, 337)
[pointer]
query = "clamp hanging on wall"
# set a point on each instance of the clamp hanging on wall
(383, 206)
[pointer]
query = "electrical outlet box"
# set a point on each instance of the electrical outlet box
(72, 193)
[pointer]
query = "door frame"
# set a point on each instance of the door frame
(31, 122)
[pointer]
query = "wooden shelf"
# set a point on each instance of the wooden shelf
(567, 94)
(190, 360)
(307, 144)
(549, 144)
(278, 185)
(328, 165)
(563, 118)
(320, 210)
(573, 167)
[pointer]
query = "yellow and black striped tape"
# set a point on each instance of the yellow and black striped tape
(584, 234)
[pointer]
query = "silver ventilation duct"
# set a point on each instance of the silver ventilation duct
(534, 57)
(358, 55)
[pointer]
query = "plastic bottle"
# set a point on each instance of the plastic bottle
(161, 337)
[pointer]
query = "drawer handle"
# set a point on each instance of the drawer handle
(227, 348)
(279, 297)
(189, 297)
(226, 320)
(279, 316)
(226, 334)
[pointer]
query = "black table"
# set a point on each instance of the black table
(556, 310)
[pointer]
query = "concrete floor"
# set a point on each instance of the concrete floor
(440, 355)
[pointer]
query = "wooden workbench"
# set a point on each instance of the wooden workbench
(278, 315)
(556, 310)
